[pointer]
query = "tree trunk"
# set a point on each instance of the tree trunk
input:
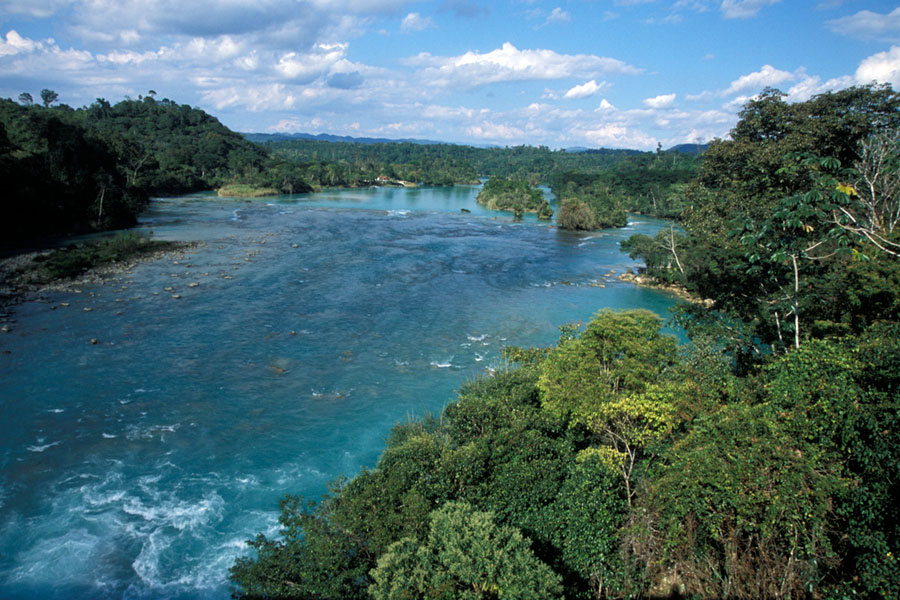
(796, 302)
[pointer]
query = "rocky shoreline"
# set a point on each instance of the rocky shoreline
(676, 290)
(19, 279)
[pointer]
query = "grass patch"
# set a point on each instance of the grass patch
(243, 190)
(73, 260)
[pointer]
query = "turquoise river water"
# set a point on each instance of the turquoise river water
(304, 327)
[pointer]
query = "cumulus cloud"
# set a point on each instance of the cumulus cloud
(305, 67)
(415, 22)
(767, 76)
(883, 67)
(585, 90)
(508, 63)
(809, 86)
(275, 96)
(16, 44)
(618, 135)
(867, 24)
(662, 101)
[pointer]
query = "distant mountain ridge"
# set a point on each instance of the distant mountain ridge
(689, 148)
(261, 138)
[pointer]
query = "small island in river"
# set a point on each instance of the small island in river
(516, 195)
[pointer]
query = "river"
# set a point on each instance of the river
(271, 358)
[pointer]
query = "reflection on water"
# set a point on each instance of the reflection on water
(271, 358)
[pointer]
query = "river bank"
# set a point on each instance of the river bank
(25, 275)
(676, 290)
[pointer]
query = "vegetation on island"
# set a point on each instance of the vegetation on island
(585, 203)
(244, 190)
(595, 188)
(653, 184)
(515, 195)
(759, 460)
(76, 259)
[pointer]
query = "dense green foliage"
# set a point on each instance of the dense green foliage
(588, 208)
(631, 470)
(500, 193)
(357, 163)
(467, 556)
(647, 183)
(595, 187)
(748, 463)
(346, 164)
(792, 224)
(58, 176)
(93, 168)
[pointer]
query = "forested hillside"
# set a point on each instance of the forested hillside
(93, 168)
(73, 170)
(759, 460)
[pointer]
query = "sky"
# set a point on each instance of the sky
(578, 73)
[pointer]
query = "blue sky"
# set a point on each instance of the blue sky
(596, 73)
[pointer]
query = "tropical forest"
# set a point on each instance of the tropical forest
(743, 445)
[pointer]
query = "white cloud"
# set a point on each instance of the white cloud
(744, 9)
(446, 112)
(808, 87)
(585, 90)
(508, 63)
(253, 98)
(883, 67)
(737, 103)
(868, 25)
(415, 22)
(730, 9)
(274, 24)
(663, 101)
(303, 68)
(558, 15)
(38, 9)
(494, 132)
(767, 76)
(605, 106)
(16, 44)
(704, 96)
(617, 135)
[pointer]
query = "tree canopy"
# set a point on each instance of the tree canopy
(758, 460)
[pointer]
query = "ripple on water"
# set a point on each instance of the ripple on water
(137, 468)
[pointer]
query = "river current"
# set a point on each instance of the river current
(151, 423)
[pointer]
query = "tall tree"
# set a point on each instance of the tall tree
(48, 97)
